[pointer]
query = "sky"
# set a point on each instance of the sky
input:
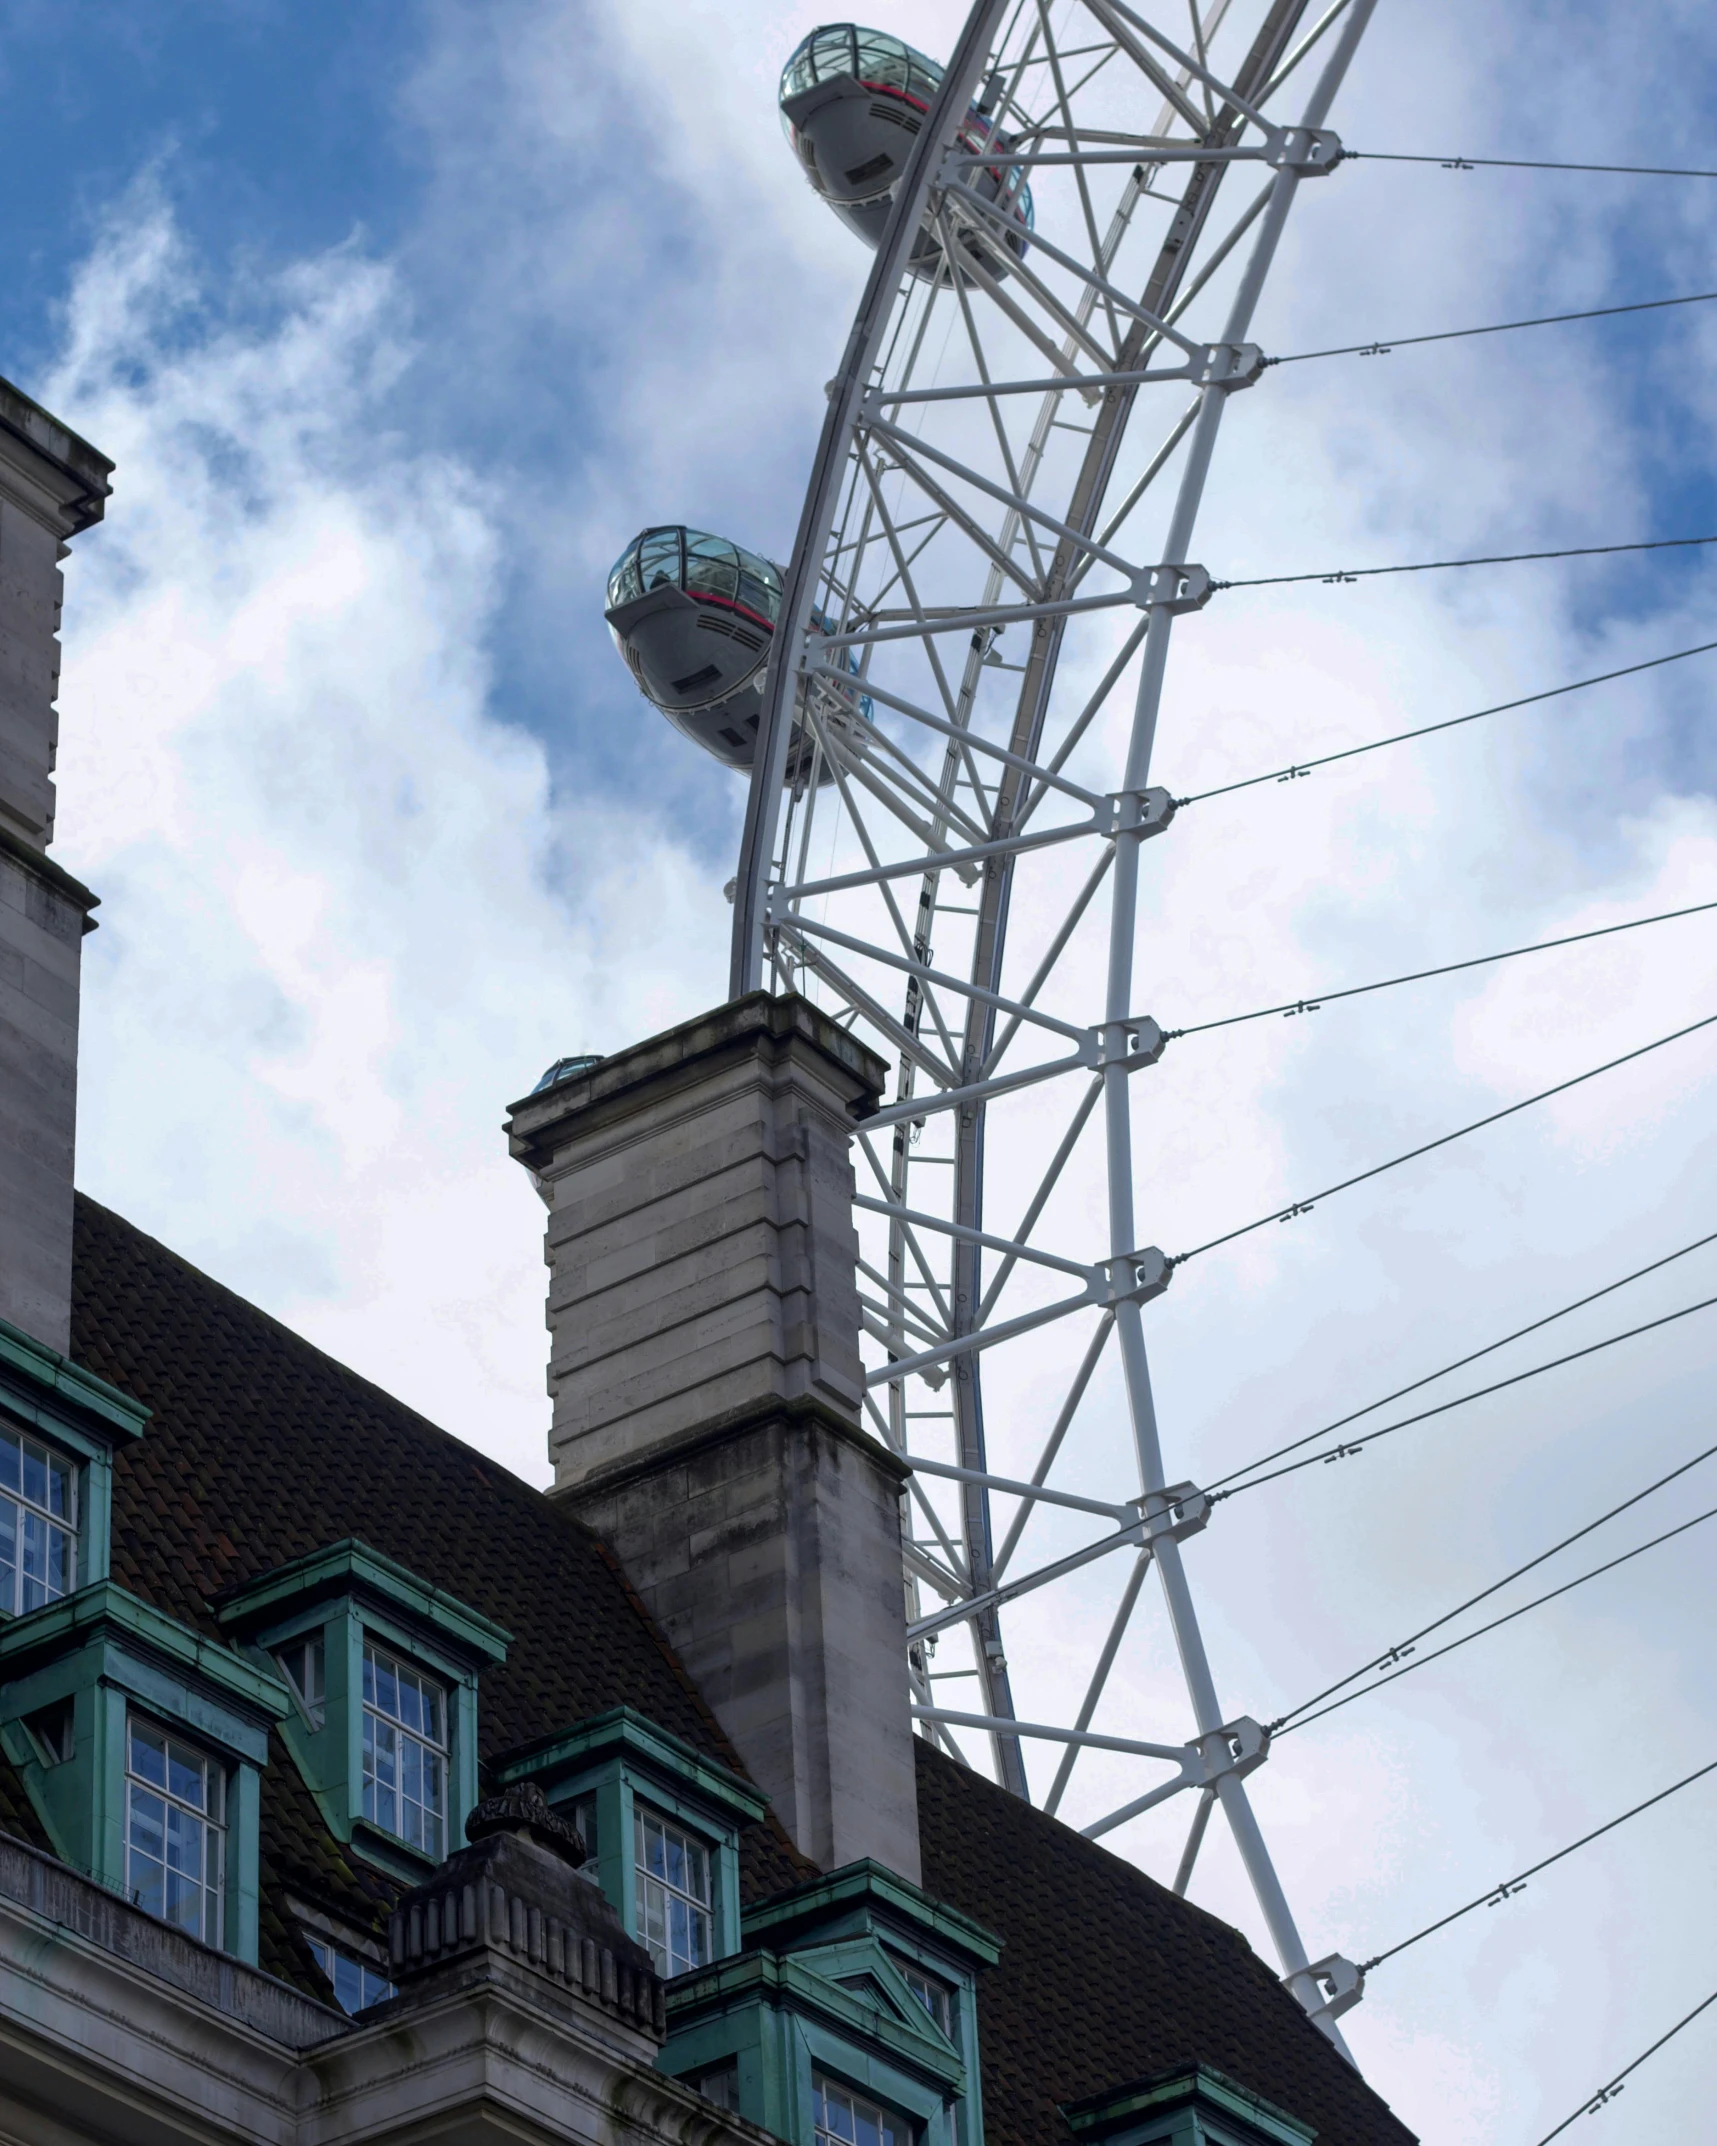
(399, 320)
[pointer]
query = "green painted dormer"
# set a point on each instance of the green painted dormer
(661, 1825)
(1189, 2106)
(141, 1745)
(383, 1670)
(59, 1428)
(851, 2015)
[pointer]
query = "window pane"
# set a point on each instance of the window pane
(148, 1755)
(59, 1562)
(35, 1474)
(59, 1488)
(8, 1554)
(11, 1461)
(33, 1564)
(659, 559)
(186, 1776)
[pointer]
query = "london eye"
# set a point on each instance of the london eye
(945, 704)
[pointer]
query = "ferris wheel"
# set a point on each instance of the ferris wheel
(945, 703)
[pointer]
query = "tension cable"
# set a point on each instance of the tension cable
(1448, 968)
(1339, 574)
(1379, 348)
(1461, 1362)
(1608, 2093)
(1296, 1717)
(1298, 768)
(1510, 1886)
(1520, 163)
(1296, 1208)
(1349, 1447)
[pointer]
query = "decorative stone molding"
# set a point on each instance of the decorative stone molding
(517, 1891)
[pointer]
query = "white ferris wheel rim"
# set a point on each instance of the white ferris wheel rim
(825, 635)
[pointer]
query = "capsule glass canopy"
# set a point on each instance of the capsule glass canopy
(694, 616)
(852, 102)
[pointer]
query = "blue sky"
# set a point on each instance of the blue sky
(400, 319)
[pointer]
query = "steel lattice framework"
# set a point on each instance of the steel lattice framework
(937, 877)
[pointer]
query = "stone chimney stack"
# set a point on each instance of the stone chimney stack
(52, 484)
(704, 1367)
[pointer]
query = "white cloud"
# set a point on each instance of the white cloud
(344, 923)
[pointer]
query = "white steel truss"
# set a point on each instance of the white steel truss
(974, 534)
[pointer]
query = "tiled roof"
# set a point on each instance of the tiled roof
(262, 1449)
(1107, 1976)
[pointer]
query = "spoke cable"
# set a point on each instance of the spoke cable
(1538, 1601)
(1334, 575)
(1381, 347)
(1349, 1447)
(1297, 1716)
(1460, 1363)
(1510, 1886)
(1295, 1208)
(1521, 163)
(1608, 2092)
(1289, 1008)
(1298, 768)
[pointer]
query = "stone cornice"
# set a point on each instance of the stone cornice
(59, 479)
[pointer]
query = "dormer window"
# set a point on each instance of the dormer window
(676, 1909)
(38, 1524)
(383, 1669)
(844, 2118)
(175, 1839)
(405, 1753)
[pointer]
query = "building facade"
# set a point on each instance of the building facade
(351, 1789)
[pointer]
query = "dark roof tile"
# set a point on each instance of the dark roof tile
(1106, 1976)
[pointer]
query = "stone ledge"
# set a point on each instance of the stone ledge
(797, 1416)
(41, 866)
(86, 1911)
(536, 1124)
(67, 470)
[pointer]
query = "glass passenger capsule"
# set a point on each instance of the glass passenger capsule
(694, 617)
(853, 101)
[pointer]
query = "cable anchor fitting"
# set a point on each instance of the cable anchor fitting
(1310, 152)
(1229, 365)
(1141, 812)
(1132, 1043)
(1342, 1984)
(1239, 1747)
(1133, 1278)
(1185, 1511)
(1172, 588)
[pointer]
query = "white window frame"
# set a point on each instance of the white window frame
(413, 1750)
(303, 1662)
(36, 1517)
(868, 2123)
(179, 1811)
(658, 1894)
